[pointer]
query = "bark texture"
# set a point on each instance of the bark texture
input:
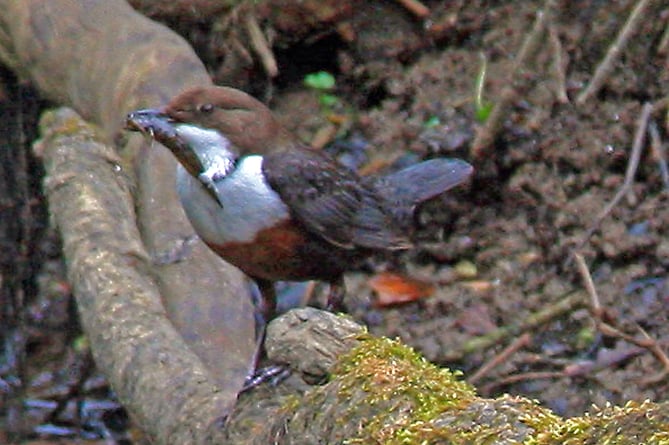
(104, 59)
(156, 375)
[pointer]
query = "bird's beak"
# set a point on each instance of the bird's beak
(147, 120)
(161, 127)
(204, 153)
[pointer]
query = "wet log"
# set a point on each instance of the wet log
(104, 59)
(379, 391)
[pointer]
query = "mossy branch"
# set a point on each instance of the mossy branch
(382, 392)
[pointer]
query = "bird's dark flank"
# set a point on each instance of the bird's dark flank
(275, 208)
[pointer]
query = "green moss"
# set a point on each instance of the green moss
(394, 396)
(290, 404)
(413, 391)
(64, 122)
(630, 424)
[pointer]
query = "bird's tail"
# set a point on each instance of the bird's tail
(407, 188)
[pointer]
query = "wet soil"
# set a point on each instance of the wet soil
(500, 249)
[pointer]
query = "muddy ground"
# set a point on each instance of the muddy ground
(500, 249)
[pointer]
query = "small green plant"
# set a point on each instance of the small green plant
(431, 122)
(481, 106)
(322, 82)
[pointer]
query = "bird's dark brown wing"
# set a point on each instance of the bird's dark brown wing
(331, 200)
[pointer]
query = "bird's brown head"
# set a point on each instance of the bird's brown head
(246, 122)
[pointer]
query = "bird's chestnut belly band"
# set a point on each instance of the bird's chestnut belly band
(283, 252)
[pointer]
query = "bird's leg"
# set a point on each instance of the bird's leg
(265, 311)
(336, 296)
(266, 308)
(267, 304)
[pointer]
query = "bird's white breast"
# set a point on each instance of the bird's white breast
(246, 203)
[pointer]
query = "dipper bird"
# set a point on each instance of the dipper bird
(276, 208)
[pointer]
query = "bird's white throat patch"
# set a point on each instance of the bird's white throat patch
(246, 203)
(213, 149)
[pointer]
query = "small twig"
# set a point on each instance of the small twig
(653, 379)
(632, 166)
(659, 153)
(240, 50)
(323, 136)
(606, 65)
(486, 134)
(260, 45)
(570, 302)
(612, 331)
(415, 7)
(604, 360)
(517, 344)
(595, 305)
(515, 378)
(639, 139)
(559, 65)
(664, 41)
(657, 351)
(647, 342)
(308, 293)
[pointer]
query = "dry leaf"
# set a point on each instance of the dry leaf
(392, 288)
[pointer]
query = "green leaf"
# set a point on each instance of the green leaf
(432, 122)
(328, 100)
(483, 112)
(322, 80)
(482, 107)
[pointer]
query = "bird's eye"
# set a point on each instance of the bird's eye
(206, 108)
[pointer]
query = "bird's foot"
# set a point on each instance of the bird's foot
(273, 374)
